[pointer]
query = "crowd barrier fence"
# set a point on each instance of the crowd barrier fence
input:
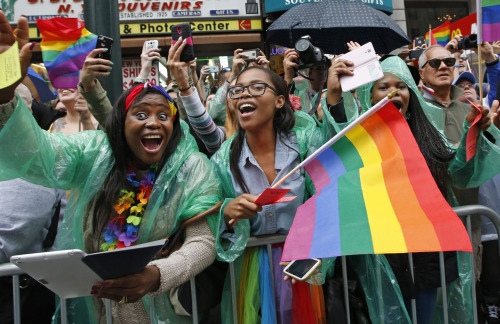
(464, 212)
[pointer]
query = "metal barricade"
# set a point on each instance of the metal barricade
(268, 240)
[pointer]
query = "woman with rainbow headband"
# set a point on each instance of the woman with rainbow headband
(132, 184)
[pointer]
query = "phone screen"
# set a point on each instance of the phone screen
(300, 268)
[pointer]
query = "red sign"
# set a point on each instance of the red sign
(131, 70)
(464, 26)
(245, 24)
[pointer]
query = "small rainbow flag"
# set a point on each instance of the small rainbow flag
(491, 20)
(65, 45)
(441, 33)
(374, 194)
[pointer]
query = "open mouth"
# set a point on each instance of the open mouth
(247, 109)
(398, 104)
(152, 143)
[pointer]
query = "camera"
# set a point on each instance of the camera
(309, 54)
(467, 42)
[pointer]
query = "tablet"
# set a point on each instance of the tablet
(63, 272)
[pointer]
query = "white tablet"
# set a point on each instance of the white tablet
(63, 272)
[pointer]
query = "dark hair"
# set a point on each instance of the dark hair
(430, 141)
(283, 122)
(223, 74)
(117, 178)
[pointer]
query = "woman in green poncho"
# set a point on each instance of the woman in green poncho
(133, 184)
(448, 167)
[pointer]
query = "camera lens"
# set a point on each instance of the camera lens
(302, 45)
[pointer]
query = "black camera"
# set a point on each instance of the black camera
(467, 42)
(309, 54)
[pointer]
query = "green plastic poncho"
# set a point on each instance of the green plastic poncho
(309, 140)
(81, 162)
(217, 106)
(462, 175)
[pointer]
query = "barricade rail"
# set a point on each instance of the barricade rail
(466, 212)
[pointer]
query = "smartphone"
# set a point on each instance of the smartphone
(416, 53)
(184, 30)
(104, 42)
(419, 40)
(150, 44)
(252, 54)
(302, 269)
(366, 67)
(213, 68)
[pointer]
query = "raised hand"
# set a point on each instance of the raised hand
(7, 39)
(94, 67)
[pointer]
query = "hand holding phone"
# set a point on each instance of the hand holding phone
(302, 269)
(184, 30)
(251, 54)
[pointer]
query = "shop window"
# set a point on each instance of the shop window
(419, 14)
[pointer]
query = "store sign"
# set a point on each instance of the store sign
(131, 70)
(198, 27)
(281, 5)
(134, 10)
(464, 26)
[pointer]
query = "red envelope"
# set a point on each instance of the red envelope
(273, 196)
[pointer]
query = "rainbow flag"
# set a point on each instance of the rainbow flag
(65, 45)
(490, 20)
(374, 194)
(441, 33)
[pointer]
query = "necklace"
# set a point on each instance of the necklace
(121, 230)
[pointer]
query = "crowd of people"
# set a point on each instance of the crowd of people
(106, 175)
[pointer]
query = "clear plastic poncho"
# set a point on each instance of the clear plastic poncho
(81, 162)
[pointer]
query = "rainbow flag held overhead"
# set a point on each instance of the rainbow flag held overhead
(374, 194)
(65, 45)
(441, 33)
(490, 20)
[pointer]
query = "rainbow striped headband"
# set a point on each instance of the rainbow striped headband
(138, 89)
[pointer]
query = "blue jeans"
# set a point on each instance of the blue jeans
(426, 303)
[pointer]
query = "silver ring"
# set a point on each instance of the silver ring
(149, 54)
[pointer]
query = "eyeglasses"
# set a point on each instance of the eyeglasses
(464, 86)
(436, 63)
(254, 89)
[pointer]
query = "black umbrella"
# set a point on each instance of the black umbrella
(333, 23)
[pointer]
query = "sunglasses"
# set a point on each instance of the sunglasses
(436, 63)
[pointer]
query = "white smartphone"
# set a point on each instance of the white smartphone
(151, 44)
(302, 269)
(366, 67)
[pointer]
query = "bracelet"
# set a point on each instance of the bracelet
(495, 61)
(182, 90)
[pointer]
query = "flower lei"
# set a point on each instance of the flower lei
(122, 230)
